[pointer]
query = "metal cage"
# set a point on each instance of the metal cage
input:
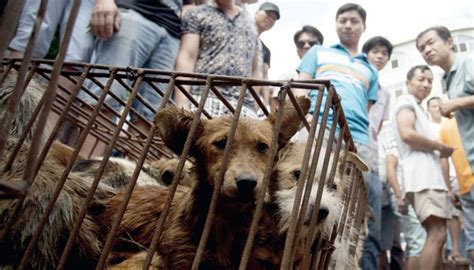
(62, 99)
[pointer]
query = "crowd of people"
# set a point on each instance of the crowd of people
(428, 160)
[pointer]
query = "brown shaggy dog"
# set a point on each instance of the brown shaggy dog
(164, 169)
(243, 179)
(52, 240)
(118, 172)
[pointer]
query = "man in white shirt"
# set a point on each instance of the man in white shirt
(420, 153)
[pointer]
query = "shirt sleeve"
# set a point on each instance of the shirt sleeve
(309, 63)
(403, 103)
(469, 79)
(190, 22)
(442, 133)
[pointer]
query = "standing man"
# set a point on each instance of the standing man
(304, 39)
(356, 82)
(265, 18)
(420, 153)
(137, 33)
(219, 39)
(379, 50)
(436, 46)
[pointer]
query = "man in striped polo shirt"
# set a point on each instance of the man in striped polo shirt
(356, 83)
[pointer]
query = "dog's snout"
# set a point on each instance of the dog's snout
(322, 213)
(246, 183)
(167, 177)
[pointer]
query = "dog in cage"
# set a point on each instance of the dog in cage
(242, 181)
(349, 246)
(164, 169)
(28, 103)
(272, 232)
(118, 171)
(52, 239)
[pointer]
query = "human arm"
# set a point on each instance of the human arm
(370, 104)
(450, 106)
(302, 92)
(391, 163)
(186, 62)
(406, 128)
(105, 19)
(186, 8)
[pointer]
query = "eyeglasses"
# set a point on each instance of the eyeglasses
(300, 44)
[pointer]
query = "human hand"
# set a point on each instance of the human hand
(447, 108)
(454, 198)
(402, 206)
(445, 151)
(105, 19)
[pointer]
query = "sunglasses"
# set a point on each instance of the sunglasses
(300, 44)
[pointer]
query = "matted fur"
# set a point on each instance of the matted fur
(28, 102)
(64, 214)
(52, 240)
(234, 212)
(117, 172)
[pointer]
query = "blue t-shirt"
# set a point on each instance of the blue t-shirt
(355, 80)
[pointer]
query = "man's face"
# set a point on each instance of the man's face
(349, 27)
(434, 108)
(265, 20)
(434, 50)
(420, 84)
(378, 56)
(305, 42)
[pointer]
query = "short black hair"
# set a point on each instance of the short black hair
(431, 99)
(350, 7)
(412, 71)
(377, 41)
(311, 30)
(442, 31)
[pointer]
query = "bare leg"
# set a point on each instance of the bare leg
(454, 230)
(431, 254)
(412, 263)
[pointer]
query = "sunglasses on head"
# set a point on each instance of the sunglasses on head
(300, 44)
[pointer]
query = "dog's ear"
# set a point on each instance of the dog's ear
(174, 125)
(354, 158)
(291, 121)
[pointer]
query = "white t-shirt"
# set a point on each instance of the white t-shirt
(421, 169)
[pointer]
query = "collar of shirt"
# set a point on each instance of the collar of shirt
(450, 73)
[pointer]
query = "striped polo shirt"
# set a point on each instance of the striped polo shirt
(355, 80)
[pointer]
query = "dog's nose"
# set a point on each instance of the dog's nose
(246, 183)
(167, 177)
(323, 213)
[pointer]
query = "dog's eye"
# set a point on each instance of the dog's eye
(262, 147)
(220, 143)
(334, 186)
(296, 174)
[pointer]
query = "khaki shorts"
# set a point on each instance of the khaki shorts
(430, 202)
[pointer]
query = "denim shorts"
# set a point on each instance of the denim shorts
(57, 13)
(467, 201)
(415, 234)
(138, 43)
